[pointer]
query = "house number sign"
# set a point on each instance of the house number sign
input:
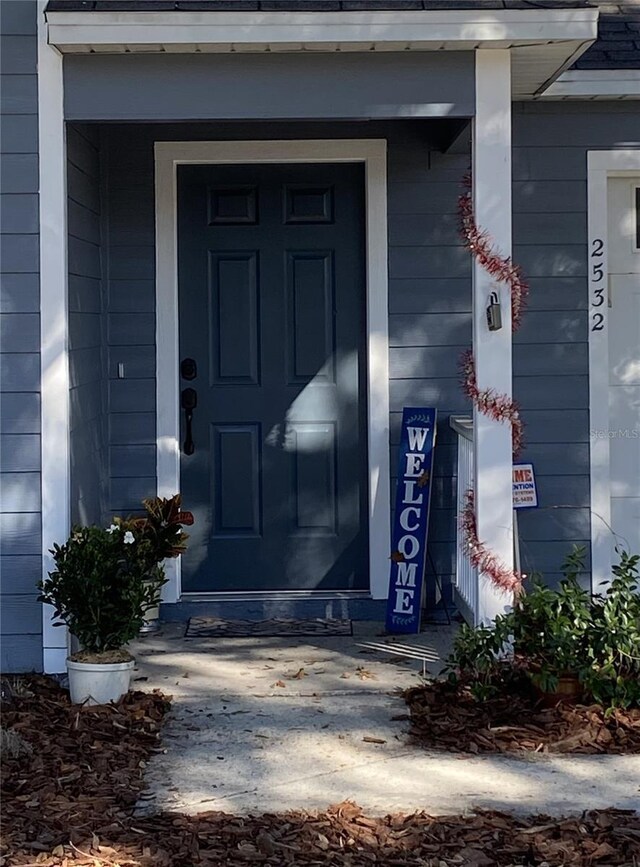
(409, 540)
(598, 284)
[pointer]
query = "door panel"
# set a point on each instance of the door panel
(310, 303)
(272, 309)
(313, 471)
(233, 318)
(235, 479)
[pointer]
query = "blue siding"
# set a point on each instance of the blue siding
(262, 86)
(20, 527)
(87, 329)
(551, 349)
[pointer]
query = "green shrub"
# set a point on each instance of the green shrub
(611, 673)
(107, 579)
(551, 634)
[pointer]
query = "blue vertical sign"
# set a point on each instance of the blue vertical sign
(409, 540)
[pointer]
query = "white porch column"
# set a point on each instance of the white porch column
(54, 358)
(491, 167)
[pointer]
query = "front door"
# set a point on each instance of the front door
(272, 346)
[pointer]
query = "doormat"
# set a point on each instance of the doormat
(215, 627)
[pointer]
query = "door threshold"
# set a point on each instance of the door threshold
(274, 595)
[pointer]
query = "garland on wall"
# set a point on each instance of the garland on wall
(499, 407)
(501, 269)
(481, 558)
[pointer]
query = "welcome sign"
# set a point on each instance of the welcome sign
(409, 540)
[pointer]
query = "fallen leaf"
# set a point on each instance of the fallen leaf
(423, 479)
(604, 850)
(323, 842)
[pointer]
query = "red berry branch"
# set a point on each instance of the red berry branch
(488, 401)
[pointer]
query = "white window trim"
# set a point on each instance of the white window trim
(370, 152)
(595, 84)
(601, 165)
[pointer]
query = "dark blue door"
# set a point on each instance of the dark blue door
(272, 312)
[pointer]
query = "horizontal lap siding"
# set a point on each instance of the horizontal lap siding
(131, 320)
(429, 321)
(551, 349)
(20, 523)
(87, 328)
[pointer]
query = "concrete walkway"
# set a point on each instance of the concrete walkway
(279, 724)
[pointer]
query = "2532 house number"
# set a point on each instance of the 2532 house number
(597, 285)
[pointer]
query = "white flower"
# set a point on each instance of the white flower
(129, 538)
(112, 528)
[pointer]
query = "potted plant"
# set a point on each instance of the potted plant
(104, 583)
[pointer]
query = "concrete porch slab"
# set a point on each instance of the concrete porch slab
(277, 724)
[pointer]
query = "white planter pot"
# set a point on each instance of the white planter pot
(93, 683)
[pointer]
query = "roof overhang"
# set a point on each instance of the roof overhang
(544, 42)
(595, 84)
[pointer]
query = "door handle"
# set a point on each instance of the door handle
(189, 401)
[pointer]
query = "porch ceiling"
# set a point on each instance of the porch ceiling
(544, 41)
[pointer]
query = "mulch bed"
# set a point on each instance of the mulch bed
(447, 717)
(86, 765)
(70, 801)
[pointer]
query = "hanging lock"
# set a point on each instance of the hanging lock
(494, 313)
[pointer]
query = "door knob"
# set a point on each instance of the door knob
(189, 401)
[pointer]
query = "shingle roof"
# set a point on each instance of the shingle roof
(617, 46)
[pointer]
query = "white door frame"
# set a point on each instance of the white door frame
(370, 152)
(601, 165)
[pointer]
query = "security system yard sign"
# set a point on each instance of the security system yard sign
(409, 541)
(525, 496)
(525, 493)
